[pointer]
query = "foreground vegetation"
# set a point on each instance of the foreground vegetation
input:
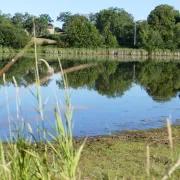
(123, 156)
(20, 159)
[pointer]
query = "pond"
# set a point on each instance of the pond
(106, 95)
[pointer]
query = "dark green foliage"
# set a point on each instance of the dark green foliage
(111, 41)
(81, 33)
(62, 41)
(64, 16)
(162, 20)
(16, 31)
(118, 23)
(5, 18)
(177, 16)
(41, 24)
(177, 35)
(10, 36)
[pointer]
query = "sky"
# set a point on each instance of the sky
(138, 8)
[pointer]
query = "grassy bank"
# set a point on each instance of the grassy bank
(124, 156)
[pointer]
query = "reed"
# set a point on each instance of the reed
(148, 160)
(170, 172)
(170, 133)
(21, 156)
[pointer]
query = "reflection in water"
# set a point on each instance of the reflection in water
(161, 80)
(114, 94)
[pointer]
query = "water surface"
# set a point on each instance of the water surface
(106, 95)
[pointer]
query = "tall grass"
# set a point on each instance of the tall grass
(110, 51)
(48, 157)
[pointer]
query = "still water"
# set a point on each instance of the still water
(107, 96)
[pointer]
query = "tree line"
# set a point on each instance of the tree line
(16, 30)
(115, 27)
(108, 28)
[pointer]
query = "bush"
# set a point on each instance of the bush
(10, 36)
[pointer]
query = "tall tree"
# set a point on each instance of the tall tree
(177, 16)
(5, 18)
(177, 35)
(42, 24)
(18, 20)
(81, 33)
(162, 19)
(148, 38)
(117, 22)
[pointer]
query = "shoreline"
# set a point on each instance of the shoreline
(124, 156)
(116, 52)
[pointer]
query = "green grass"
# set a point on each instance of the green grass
(124, 156)
(111, 157)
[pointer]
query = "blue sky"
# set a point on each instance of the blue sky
(138, 8)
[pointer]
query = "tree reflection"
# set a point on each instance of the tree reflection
(161, 80)
(115, 83)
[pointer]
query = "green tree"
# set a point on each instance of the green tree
(142, 33)
(10, 36)
(5, 18)
(152, 40)
(111, 41)
(177, 35)
(92, 17)
(42, 24)
(28, 23)
(81, 33)
(116, 22)
(162, 19)
(64, 16)
(177, 16)
(18, 20)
